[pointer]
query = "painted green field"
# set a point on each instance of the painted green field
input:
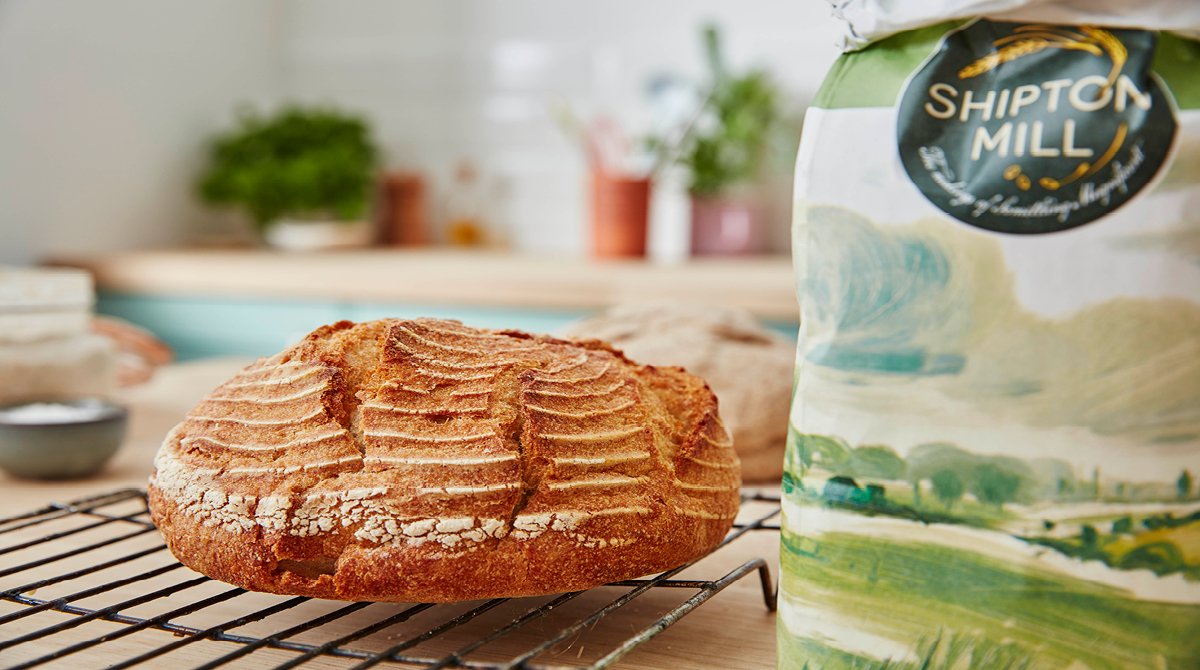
(940, 652)
(961, 610)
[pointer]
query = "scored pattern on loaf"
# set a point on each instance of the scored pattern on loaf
(433, 433)
(202, 440)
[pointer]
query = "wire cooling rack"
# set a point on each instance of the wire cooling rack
(90, 584)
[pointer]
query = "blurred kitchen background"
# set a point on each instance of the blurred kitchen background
(476, 109)
(107, 108)
(488, 123)
(205, 181)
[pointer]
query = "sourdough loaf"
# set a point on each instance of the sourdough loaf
(428, 461)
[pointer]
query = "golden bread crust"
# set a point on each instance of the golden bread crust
(427, 461)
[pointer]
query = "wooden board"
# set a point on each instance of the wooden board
(762, 284)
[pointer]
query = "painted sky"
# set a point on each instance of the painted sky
(935, 300)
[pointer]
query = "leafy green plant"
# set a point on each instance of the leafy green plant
(299, 162)
(728, 146)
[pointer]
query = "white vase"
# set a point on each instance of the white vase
(295, 235)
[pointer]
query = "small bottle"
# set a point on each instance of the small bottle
(464, 220)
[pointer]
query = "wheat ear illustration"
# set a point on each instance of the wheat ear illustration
(1034, 38)
(1116, 50)
(1011, 52)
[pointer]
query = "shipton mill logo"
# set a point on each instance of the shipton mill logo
(1032, 129)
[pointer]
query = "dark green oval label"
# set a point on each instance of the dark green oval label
(1035, 128)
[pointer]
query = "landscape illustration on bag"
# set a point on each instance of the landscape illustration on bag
(1108, 522)
(975, 484)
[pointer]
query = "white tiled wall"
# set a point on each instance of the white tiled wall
(105, 106)
(103, 110)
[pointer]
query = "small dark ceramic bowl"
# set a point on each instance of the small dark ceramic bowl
(61, 448)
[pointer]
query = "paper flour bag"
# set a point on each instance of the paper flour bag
(994, 455)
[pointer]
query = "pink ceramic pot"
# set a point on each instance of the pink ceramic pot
(726, 227)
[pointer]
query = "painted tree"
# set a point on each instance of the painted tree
(829, 453)
(926, 459)
(995, 486)
(876, 462)
(948, 487)
(1184, 485)
(1088, 537)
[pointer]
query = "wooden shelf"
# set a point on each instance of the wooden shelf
(764, 285)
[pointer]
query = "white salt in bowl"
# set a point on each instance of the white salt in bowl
(59, 439)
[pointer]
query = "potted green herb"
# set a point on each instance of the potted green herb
(725, 152)
(304, 175)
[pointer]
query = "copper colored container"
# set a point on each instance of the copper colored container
(620, 208)
(403, 210)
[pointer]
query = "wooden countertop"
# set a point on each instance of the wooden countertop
(732, 630)
(762, 284)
